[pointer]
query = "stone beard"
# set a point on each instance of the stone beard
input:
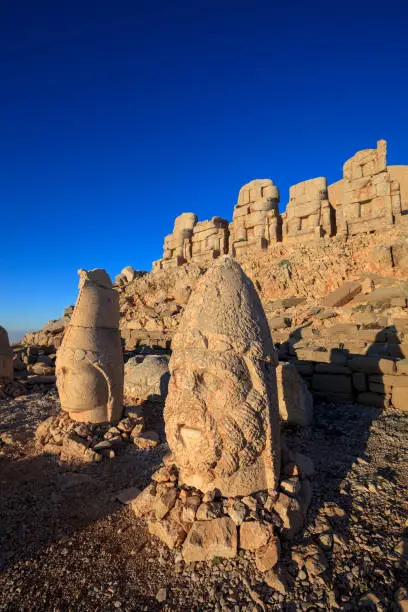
(217, 415)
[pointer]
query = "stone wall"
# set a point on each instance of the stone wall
(256, 222)
(193, 241)
(369, 197)
(308, 212)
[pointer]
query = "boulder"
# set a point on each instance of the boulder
(147, 380)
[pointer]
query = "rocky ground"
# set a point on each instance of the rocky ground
(66, 542)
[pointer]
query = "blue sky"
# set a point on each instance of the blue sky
(118, 116)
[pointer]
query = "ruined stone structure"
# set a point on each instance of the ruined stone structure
(89, 365)
(192, 241)
(221, 413)
(256, 222)
(308, 213)
(6, 356)
(369, 197)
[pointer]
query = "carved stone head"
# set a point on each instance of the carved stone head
(221, 412)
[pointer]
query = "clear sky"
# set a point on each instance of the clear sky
(117, 115)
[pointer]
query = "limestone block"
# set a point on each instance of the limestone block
(295, 400)
(402, 366)
(209, 539)
(89, 364)
(221, 413)
(333, 383)
(342, 295)
(359, 381)
(148, 379)
(254, 534)
(372, 399)
(267, 556)
(399, 398)
(372, 365)
(6, 356)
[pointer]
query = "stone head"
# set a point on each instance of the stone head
(218, 410)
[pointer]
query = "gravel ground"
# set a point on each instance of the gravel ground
(68, 544)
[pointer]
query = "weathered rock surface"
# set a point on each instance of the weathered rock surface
(148, 379)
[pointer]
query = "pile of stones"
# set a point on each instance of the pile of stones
(80, 442)
(208, 525)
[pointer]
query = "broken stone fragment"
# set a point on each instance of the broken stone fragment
(254, 534)
(206, 512)
(209, 539)
(267, 556)
(291, 486)
(237, 511)
(276, 580)
(162, 475)
(305, 465)
(290, 512)
(74, 449)
(144, 502)
(190, 506)
(167, 530)
(164, 501)
(148, 439)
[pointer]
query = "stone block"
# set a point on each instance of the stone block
(295, 401)
(305, 368)
(308, 354)
(331, 368)
(373, 399)
(372, 365)
(279, 323)
(332, 383)
(359, 381)
(335, 398)
(209, 539)
(402, 366)
(342, 295)
(399, 398)
(372, 335)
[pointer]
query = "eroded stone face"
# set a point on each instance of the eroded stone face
(221, 411)
(89, 365)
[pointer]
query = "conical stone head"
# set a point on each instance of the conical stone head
(89, 365)
(221, 413)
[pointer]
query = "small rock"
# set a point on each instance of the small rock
(149, 439)
(267, 556)
(254, 534)
(161, 595)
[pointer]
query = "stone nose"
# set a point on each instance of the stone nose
(189, 381)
